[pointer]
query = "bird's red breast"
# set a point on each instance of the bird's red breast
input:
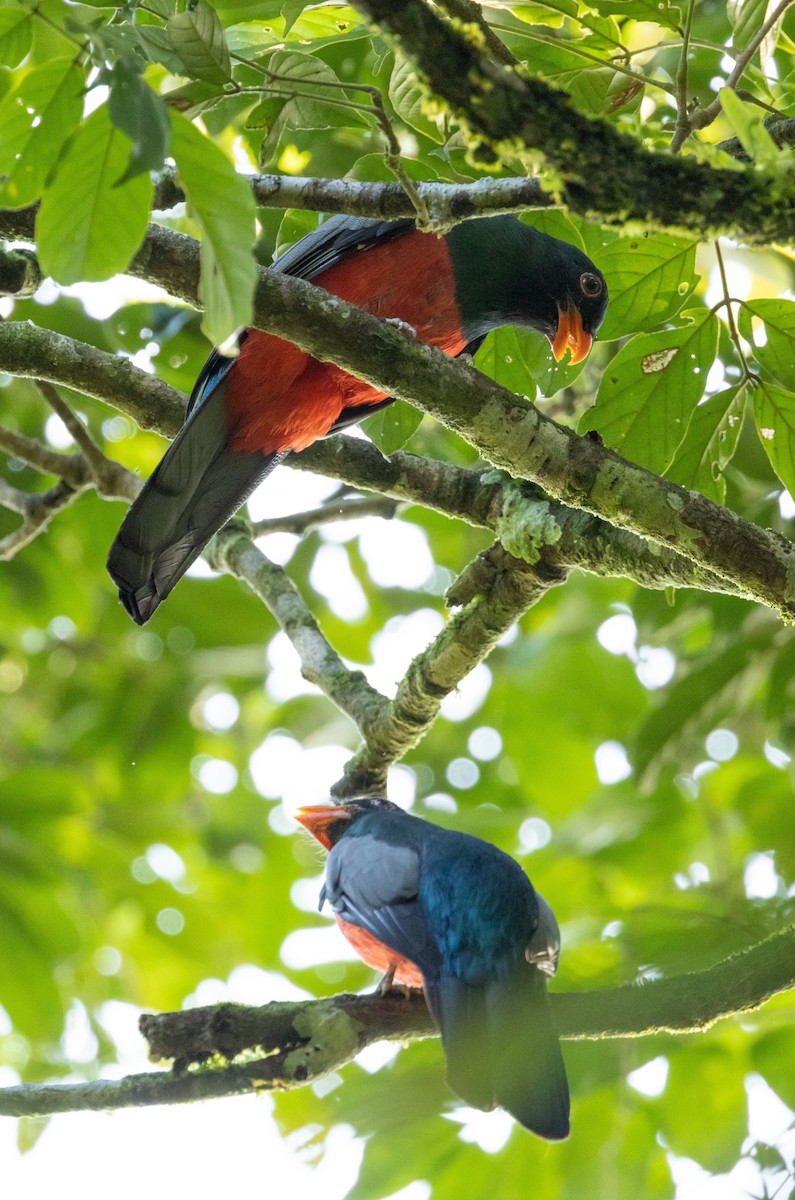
(279, 398)
(380, 957)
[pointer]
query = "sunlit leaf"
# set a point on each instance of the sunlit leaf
(774, 411)
(36, 118)
(648, 280)
(651, 388)
(16, 34)
(223, 204)
(776, 351)
(90, 224)
(710, 442)
(746, 121)
(659, 12)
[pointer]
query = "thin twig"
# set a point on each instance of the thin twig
(37, 511)
(683, 127)
(705, 116)
(748, 374)
(232, 550)
(351, 509)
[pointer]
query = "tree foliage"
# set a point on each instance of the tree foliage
(630, 739)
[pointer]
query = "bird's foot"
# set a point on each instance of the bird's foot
(387, 985)
(403, 326)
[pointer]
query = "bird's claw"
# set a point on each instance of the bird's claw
(403, 326)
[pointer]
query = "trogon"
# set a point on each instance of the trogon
(456, 916)
(246, 413)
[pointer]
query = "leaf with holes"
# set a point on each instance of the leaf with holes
(648, 280)
(198, 38)
(710, 443)
(650, 390)
(774, 411)
(660, 12)
(776, 353)
(222, 203)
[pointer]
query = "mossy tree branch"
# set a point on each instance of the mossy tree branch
(606, 174)
(287, 1045)
(512, 433)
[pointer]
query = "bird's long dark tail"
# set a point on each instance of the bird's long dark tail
(502, 1049)
(199, 483)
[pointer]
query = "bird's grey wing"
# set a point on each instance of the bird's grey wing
(375, 885)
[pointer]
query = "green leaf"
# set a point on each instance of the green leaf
(711, 1126)
(302, 98)
(691, 700)
(772, 1056)
(295, 224)
(137, 111)
(651, 388)
(222, 204)
(747, 18)
(392, 427)
(158, 47)
(521, 360)
(710, 443)
(747, 122)
(556, 223)
(409, 99)
(774, 411)
(198, 38)
(291, 11)
(777, 354)
(36, 118)
(16, 34)
(550, 14)
(194, 98)
(658, 11)
(89, 224)
(648, 280)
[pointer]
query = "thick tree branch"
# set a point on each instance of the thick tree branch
(287, 1045)
(502, 595)
(520, 514)
(606, 173)
(34, 353)
(512, 433)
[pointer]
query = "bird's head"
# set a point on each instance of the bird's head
(328, 822)
(577, 301)
(508, 273)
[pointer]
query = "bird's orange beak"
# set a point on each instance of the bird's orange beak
(316, 819)
(571, 336)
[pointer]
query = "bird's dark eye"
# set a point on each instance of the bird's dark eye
(590, 285)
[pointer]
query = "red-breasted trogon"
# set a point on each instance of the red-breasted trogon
(458, 917)
(246, 413)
